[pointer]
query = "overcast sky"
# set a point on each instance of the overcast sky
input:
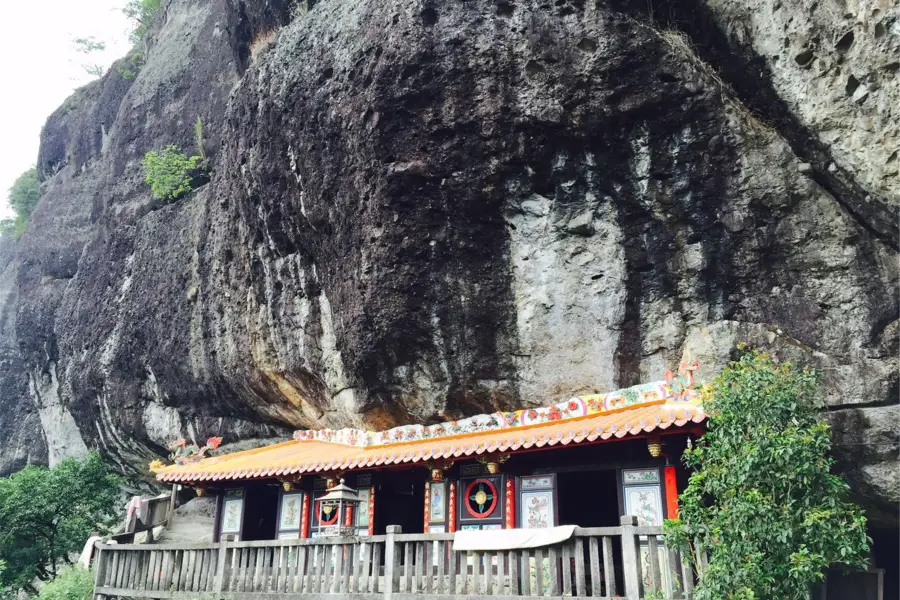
(42, 68)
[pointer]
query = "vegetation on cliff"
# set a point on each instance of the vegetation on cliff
(764, 501)
(46, 515)
(23, 197)
(171, 173)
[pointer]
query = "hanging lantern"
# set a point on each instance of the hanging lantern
(654, 447)
(288, 486)
(200, 492)
(330, 482)
(437, 470)
(493, 461)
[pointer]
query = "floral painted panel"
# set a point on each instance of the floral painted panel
(362, 518)
(232, 511)
(644, 502)
(437, 503)
(291, 511)
(544, 575)
(537, 510)
(646, 570)
(632, 476)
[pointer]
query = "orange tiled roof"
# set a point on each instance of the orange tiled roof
(313, 455)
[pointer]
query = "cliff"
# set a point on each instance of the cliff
(422, 210)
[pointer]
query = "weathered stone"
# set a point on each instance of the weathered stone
(387, 233)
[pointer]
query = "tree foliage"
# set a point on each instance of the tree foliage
(6, 593)
(141, 13)
(71, 583)
(46, 515)
(764, 502)
(170, 173)
(23, 197)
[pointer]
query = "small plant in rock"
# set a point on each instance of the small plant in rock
(299, 9)
(171, 173)
(764, 502)
(131, 65)
(198, 137)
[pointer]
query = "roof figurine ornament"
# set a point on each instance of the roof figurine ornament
(184, 453)
(682, 385)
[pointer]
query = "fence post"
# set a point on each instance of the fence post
(391, 562)
(99, 568)
(630, 568)
(219, 580)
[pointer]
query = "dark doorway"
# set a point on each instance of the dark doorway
(260, 513)
(588, 499)
(591, 499)
(400, 500)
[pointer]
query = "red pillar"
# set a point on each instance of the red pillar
(372, 510)
(304, 518)
(510, 502)
(451, 508)
(671, 492)
(425, 515)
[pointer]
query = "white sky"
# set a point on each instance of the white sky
(41, 68)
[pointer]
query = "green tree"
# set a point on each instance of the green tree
(23, 197)
(170, 173)
(5, 592)
(88, 46)
(72, 583)
(46, 515)
(764, 502)
(141, 13)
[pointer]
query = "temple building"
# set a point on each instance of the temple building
(585, 461)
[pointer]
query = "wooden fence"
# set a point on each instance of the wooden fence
(607, 562)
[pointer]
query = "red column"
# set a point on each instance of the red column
(372, 510)
(451, 508)
(304, 518)
(425, 515)
(510, 502)
(671, 492)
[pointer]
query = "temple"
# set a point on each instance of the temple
(585, 461)
(560, 500)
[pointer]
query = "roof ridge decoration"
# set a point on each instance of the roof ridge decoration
(676, 388)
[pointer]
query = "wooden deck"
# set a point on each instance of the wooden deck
(598, 563)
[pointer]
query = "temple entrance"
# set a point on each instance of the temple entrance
(589, 498)
(400, 500)
(260, 512)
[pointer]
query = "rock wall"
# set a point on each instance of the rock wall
(423, 210)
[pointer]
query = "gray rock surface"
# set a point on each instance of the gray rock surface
(193, 523)
(424, 210)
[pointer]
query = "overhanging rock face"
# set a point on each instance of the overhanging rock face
(422, 211)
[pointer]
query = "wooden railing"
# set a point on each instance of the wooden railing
(608, 562)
